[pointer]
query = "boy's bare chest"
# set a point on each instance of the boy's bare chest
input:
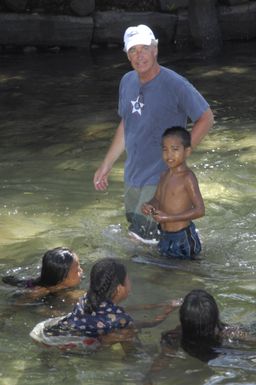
(174, 184)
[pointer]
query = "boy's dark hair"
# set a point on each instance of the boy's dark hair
(199, 316)
(105, 276)
(181, 133)
(55, 267)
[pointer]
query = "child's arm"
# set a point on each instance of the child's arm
(168, 308)
(168, 351)
(160, 363)
(120, 335)
(149, 208)
(239, 333)
(197, 209)
(126, 337)
(149, 306)
(30, 295)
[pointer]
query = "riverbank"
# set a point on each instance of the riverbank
(84, 26)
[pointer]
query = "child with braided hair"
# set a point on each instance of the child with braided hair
(97, 318)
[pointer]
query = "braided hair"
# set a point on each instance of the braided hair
(105, 276)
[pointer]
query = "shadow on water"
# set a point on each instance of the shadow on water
(58, 115)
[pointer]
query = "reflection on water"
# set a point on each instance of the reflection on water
(58, 114)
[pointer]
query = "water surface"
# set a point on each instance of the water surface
(58, 114)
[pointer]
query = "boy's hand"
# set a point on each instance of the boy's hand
(147, 209)
(160, 216)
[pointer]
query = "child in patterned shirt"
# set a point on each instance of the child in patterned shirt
(97, 318)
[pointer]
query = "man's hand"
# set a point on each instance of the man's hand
(100, 179)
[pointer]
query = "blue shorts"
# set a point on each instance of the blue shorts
(183, 244)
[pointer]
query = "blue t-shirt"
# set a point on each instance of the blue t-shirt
(147, 110)
(105, 319)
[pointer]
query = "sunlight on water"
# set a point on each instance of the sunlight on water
(58, 117)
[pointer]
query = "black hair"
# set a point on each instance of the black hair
(55, 267)
(200, 325)
(106, 274)
(181, 133)
(199, 316)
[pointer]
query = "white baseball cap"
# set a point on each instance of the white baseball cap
(141, 34)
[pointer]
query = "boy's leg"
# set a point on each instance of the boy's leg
(144, 226)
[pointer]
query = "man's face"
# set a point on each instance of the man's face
(142, 57)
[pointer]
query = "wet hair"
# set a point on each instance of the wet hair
(105, 276)
(56, 264)
(181, 133)
(199, 316)
(200, 325)
(199, 331)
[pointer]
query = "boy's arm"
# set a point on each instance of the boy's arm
(196, 211)
(149, 208)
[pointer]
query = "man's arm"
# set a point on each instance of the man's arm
(116, 148)
(201, 127)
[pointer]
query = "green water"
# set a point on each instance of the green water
(58, 114)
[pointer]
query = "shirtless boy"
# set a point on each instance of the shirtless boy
(177, 200)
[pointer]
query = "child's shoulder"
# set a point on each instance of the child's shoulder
(190, 175)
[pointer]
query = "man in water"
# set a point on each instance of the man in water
(151, 98)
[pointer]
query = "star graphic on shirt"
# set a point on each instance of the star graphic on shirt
(137, 106)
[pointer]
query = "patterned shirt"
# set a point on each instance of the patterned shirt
(107, 318)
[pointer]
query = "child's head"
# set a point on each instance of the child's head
(181, 133)
(176, 146)
(60, 265)
(108, 282)
(199, 315)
